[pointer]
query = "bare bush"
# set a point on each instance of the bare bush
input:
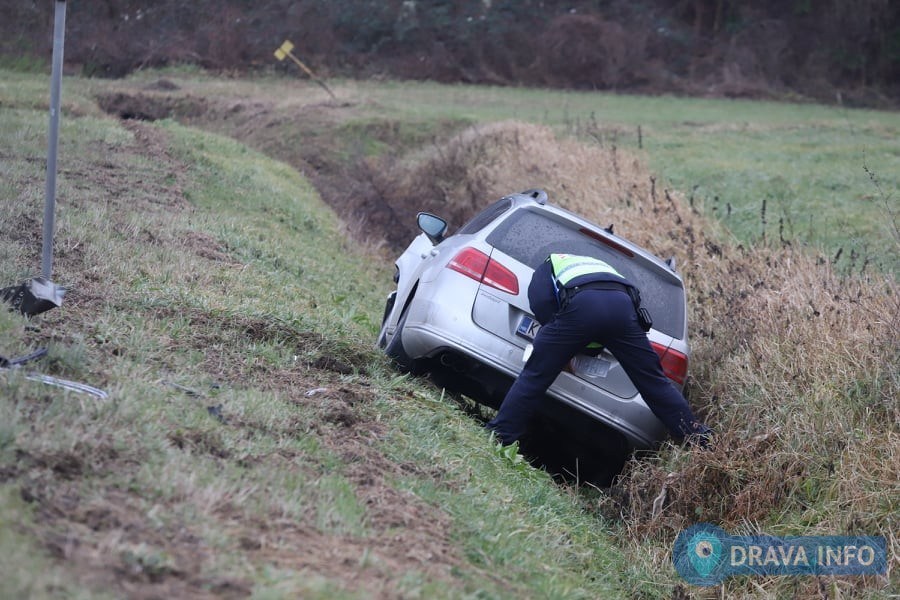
(487, 161)
(587, 51)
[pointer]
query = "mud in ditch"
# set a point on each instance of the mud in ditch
(107, 543)
(215, 335)
(206, 246)
(147, 106)
(100, 532)
(412, 533)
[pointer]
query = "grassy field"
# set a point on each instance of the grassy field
(255, 444)
(808, 163)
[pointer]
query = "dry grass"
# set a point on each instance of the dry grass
(487, 161)
(795, 366)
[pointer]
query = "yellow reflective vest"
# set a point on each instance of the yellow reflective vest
(568, 267)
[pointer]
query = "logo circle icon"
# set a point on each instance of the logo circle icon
(704, 549)
(699, 554)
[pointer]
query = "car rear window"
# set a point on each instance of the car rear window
(530, 237)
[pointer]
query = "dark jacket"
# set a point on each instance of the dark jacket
(542, 294)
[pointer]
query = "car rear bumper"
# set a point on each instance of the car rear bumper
(437, 329)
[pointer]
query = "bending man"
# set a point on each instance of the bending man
(580, 301)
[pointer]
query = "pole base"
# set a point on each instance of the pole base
(33, 297)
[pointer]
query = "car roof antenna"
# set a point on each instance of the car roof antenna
(608, 229)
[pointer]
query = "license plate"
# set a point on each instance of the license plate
(528, 328)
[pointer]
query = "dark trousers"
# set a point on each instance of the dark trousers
(608, 317)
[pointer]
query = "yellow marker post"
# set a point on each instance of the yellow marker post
(284, 51)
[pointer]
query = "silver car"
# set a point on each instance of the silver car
(461, 310)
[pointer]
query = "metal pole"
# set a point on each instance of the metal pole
(59, 37)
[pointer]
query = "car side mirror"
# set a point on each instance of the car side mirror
(432, 226)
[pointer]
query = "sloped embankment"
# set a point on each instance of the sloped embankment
(238, 436)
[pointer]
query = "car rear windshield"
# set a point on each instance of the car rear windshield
(530, 237)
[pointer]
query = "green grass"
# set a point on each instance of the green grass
(170, 496)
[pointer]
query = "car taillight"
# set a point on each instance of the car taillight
(480, 267)
(674, 363)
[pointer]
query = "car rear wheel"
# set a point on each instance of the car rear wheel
(388, 307)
